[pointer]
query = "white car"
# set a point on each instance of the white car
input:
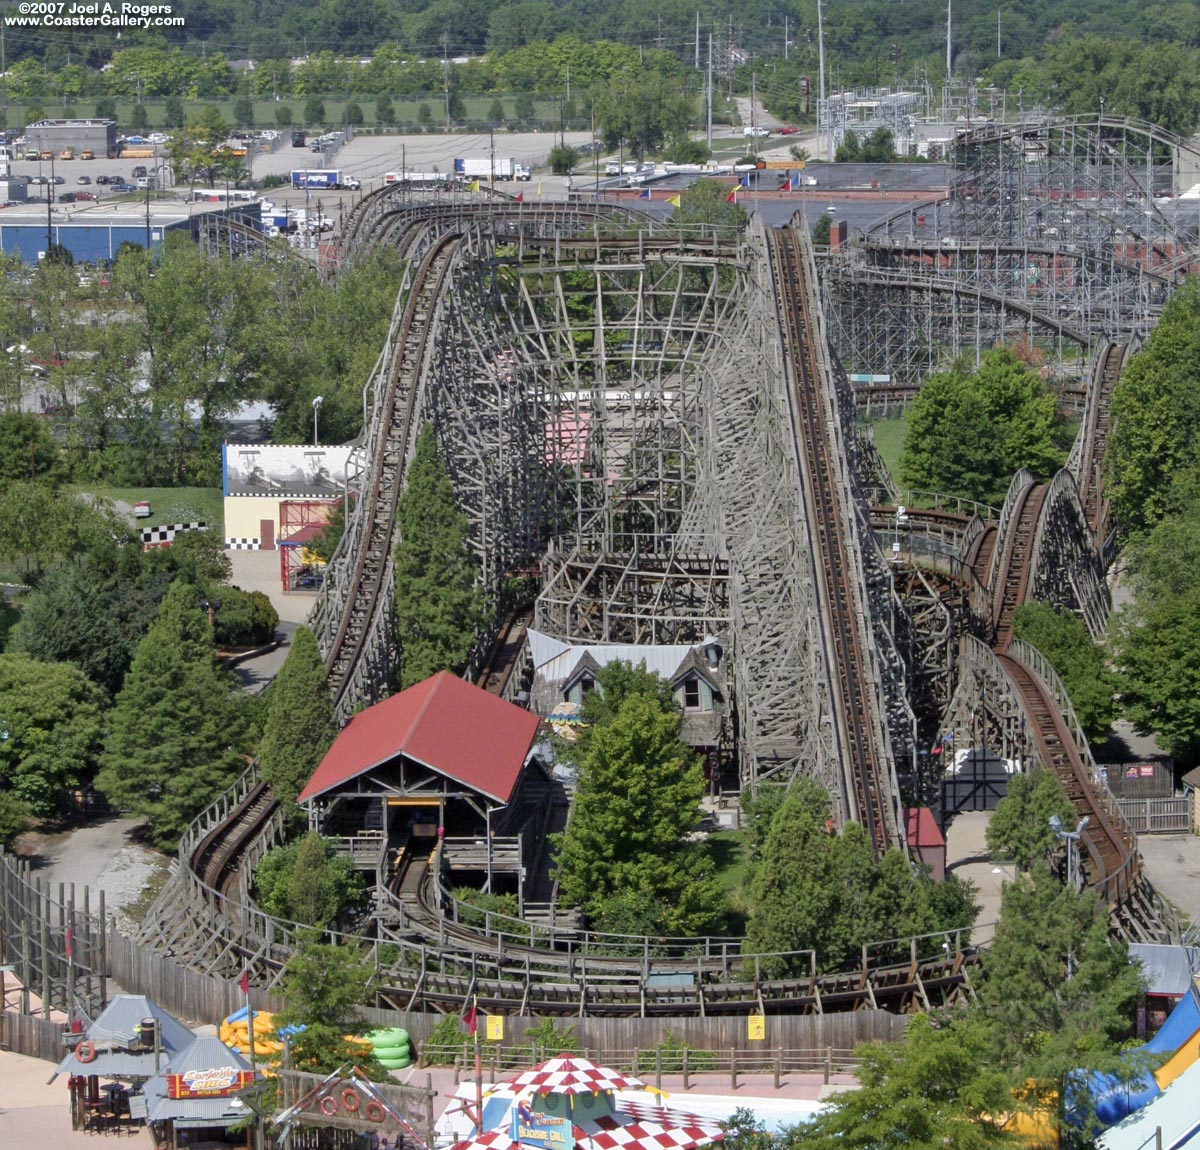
(749, 131)
(351, 184)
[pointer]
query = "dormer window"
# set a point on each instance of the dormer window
(691, 694)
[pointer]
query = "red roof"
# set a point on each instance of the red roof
(921, 829)
(445, 723)
(302, 535)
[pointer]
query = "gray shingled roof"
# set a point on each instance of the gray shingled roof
(205, 1053)
(1166, 969)
(115, 1036)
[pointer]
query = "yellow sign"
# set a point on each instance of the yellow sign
(756, 1027)
(495, 1027)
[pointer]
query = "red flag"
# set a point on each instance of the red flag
(244, 982)
(469, 1019)
(786, 186)
(732, 197)
(67, 939)
(520, 200)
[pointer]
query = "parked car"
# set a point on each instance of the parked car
(58, 179)
(66, 197)
(748, 131)
(789, 130)
(85, 195)
(84, 180)
(350, 184)
(139, 171)
(104, 179)
(87, 154)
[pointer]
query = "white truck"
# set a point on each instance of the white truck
(485, 167)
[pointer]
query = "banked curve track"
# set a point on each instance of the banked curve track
(441, 971)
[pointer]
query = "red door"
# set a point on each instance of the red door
(266, 534)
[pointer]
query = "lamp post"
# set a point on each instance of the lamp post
(1071, 838)
(316, 406)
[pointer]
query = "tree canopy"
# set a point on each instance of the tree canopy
(623, 856)
(970, 430)
(300, 724)
(438, 606)
(177, 728)
(1153, 454)
(1020, 827)
(1155, 637)
(306, 882)
(52, 717)
(818, 888)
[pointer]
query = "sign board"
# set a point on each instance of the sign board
(756, 1027)
(495, 1027)
(214, 1082)
(534, 1129)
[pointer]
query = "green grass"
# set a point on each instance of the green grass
(889, 438)
(173, 504)
(730, 854)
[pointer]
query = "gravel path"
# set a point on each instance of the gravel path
(103, 856)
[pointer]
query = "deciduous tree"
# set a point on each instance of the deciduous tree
(970, 431)
(53, 720)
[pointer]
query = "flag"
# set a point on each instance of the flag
(937, 750)
(67, 940)
(745, 181)
(473, 186)
(520, 199)
(469, 1017)
(786, 186)
(674, 201)
(732, 197)
(644, 194)
(244, 982)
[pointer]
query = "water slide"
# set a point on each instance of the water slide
(1169, 1122)
(1178, 1037)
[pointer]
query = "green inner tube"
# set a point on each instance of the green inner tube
(393, 1063)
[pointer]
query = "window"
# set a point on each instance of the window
(691, 694)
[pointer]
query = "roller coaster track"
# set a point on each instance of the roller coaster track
(219, 856)
(441, 962)
(368, 598)
(847, 635)
(1093, 441)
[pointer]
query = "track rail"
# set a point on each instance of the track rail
(1094, 441)
(1111, 861)
(368, 594)
(848, 657)
(218, 857)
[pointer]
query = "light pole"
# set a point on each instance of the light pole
(316, 406)
(1072, 840)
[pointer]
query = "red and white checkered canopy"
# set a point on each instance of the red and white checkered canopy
(568, 1074)
(631, 1127)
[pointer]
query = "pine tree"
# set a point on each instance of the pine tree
(300, 723)
(623, 857)
(438, 606)
(176, 729)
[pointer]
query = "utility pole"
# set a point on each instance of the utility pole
(3, 76)
(949, 11)
(446, 77)
(708, 127)
(821, 107)
(697, 39)
(785, 37)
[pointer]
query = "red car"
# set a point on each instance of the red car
(789, 131)
(85, 196)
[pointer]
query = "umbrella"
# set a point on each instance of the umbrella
(631, 1126)
(567, 1074)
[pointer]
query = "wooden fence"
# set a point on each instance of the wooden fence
(28, 1034)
